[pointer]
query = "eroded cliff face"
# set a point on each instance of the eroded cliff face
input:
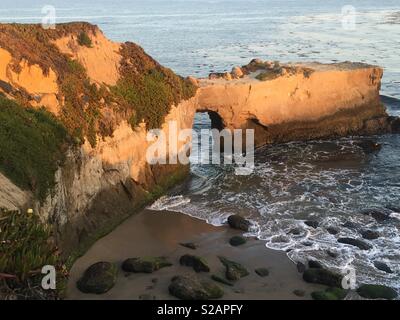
(101, 98)
(91, 85)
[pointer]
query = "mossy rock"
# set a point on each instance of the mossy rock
(221, 280)
(199, 264)
(98, 278)
(237, 241)
(322, 276)
(234, 270)
(329, 294)
(376, 291)
(190, 288)
(145, 264)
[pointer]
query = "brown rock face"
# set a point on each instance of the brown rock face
(306, 101)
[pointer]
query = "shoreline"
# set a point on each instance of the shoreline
(159, 233)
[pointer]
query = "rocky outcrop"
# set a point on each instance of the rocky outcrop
(286, 102)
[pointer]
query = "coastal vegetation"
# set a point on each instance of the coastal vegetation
(25, 247)
(32, 144)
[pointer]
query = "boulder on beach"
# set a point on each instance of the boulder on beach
(356, 243)
(199, 264)
(145, 264)
(329, 294)
(98, 278)
(376, 291)
(234, 270)
(191, 288)
(237, 241)
(238, 222)
(323, 276)
(299, 293)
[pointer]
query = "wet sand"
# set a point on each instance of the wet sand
(155, 233)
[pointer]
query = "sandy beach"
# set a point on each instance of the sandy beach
(154, 233)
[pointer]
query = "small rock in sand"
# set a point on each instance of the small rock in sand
(191, 288)
(262, 272)
(199, 264)
(234, 270)
(236, 241)
(145, 264)
(189, 245)
(299, 293)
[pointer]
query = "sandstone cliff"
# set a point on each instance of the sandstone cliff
(75, 109)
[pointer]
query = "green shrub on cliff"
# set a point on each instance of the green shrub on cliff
(24, 245)
(84, 40)
(146, 90)
(32, 144)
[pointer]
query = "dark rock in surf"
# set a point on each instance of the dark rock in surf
(369, 146)
(394, 124)
(351, 225)
(370, 235)
(323, 276)
(190, 288)
(197, 263)
(375, 291)
(98, 278)
(332, 230)
(238, 222)
(145, 264)
(382, 266)
(378, 215)
(315, 264)
(312, 223)
(356, 243)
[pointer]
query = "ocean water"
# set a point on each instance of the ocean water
(332, 182)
